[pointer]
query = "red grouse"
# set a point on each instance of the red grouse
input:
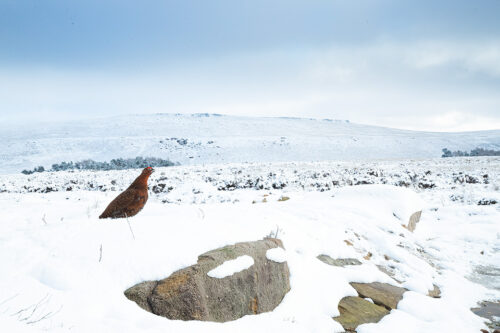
(132, 200)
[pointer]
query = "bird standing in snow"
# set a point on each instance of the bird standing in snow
(132, 200)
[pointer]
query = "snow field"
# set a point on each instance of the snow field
(209, 138)
(63, 269)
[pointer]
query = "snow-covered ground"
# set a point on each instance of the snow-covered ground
(63, 269)
(209, 138)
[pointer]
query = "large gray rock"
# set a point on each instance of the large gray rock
(355, 311)
(382, 294)
(190, 294)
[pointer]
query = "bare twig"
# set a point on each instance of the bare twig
(202, 213)
(46, 316)
(130, 227)
(34, 307)
(274, 234)
(44, 220)
(8, 299)
(35, 312)
(100, 253)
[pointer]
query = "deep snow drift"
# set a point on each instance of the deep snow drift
(209, 138)
(63, 269)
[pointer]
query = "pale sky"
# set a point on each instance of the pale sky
(423, 65)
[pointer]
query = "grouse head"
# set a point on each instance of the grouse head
(147, 171)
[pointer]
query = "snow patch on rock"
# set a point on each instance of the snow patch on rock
(231, 267)
(277, 254)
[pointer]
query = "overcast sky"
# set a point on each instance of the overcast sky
(424, 65)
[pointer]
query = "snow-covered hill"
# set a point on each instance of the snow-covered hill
(212, 138)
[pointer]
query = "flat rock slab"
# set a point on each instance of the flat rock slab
(355, 311)
(190, 294)
(490, 311)
(382, 294)
(340, 262)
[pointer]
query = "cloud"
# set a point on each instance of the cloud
(483, 57)
(422, 85)
(460, 121)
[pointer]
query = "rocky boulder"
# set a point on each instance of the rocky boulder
(382, 294)
(191, 294)
(355, 311)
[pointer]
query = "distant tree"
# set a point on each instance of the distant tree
(114, 164)
(446, 153)
(474, 152)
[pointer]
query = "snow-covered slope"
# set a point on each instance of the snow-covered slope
(209, 138)
(64, 270)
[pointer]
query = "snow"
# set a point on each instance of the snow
(63, 269)
(231, 267)
(277, 254)
(384, 199)
(221, 139)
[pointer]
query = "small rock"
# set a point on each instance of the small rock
(355, 311)
(340, 262)
(368, 256)
(385, 270)
(382, 294)
(435, 292)
(414, 218)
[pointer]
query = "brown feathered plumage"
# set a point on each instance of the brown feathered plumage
(132, 200)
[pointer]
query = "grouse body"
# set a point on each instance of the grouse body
(132, 200)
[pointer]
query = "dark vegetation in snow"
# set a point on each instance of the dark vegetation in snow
(206, 183)
(473, 152)
(115, 164)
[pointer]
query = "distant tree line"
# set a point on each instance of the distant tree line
(473, 152)
(114, 164)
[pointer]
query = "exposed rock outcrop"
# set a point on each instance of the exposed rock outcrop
(190, 294)
(355, 311)
(382, 294)
(490, 311)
